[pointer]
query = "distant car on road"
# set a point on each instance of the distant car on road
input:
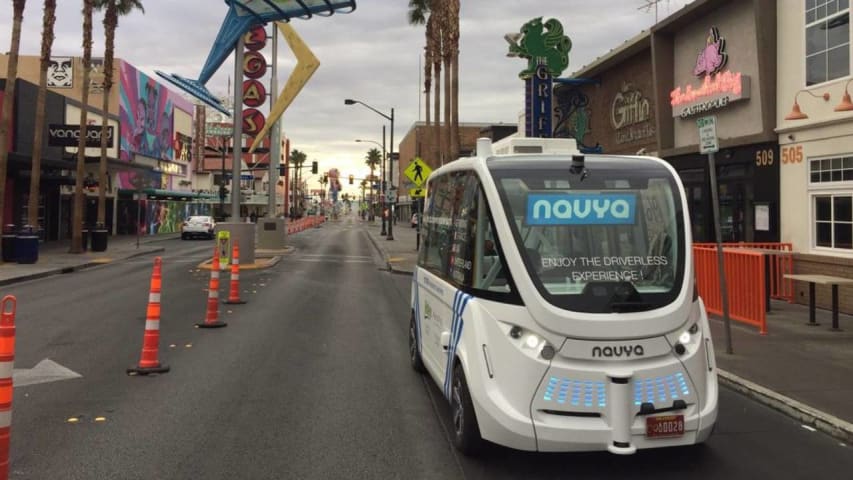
(197, 226)
(414, 220)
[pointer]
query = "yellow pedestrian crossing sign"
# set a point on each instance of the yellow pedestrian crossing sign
(417, 192)
(417, 171)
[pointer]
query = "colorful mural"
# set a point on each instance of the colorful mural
(146, 110)
(156, 216)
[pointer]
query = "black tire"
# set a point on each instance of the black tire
(466, 430)
(183, 236)
(414, 354)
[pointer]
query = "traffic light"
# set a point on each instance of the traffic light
(351, 178)
(313, 167)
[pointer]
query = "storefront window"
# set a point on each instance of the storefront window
(827, 40)
(833, 215)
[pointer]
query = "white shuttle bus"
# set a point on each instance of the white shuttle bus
(554, 302)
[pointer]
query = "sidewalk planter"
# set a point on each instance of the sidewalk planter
(27, 245)
(99, 238)
(8, 246)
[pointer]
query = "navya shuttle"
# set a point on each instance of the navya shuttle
(554, 301)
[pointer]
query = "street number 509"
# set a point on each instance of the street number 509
(764, 158)
(792, 154)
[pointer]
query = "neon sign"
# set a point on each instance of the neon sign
(716, 91)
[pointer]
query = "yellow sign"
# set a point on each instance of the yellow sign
(223, 243)
(417, 192)
(417, 171)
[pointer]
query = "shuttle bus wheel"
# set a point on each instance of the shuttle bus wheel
(466, 436)
(414, 354)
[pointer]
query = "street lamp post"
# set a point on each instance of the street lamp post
(390, 118)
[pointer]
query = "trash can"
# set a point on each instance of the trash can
(85, 237)
(99, 238)
(8, 246)
(27, 245)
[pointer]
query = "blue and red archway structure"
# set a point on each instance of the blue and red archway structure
(242, 16)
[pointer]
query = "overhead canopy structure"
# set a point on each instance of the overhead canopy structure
(242, 16)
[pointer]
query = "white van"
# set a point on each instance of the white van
(554, 303)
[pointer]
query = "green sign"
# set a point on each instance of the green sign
(541, 43)
(218, 130)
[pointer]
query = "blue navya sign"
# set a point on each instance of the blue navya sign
(581, 208)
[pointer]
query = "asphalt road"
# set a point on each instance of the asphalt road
(310, 380)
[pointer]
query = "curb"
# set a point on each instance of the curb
(74, 268)
(826, 423)
(385, 257)
(269, 262)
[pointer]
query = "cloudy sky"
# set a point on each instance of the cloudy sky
(372, 55)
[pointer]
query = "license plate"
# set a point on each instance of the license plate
(665, 426)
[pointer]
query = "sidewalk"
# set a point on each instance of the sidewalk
(803, 371)
(54, 257)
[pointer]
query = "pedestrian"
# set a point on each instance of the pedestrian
(254, 217)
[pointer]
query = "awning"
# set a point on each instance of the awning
(158, 194)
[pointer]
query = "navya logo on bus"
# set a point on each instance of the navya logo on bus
(581, 208)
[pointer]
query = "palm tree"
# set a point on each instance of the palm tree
(48, 21)
(9, 95)
(114, 9)
(372, 160)
(419, 15)
(297, 158)
(77, 217)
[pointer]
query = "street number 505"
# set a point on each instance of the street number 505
(792, 154)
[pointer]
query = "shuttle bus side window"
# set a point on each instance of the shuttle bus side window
(434, 256)
(464, 228)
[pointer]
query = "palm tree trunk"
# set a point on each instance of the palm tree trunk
(437, 137)
(446, 47)
(48, 22)
(77, 217)
(110, 24)
(453, 7)
(427, 88)
(9, 96)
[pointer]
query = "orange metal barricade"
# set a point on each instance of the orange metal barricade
(744, 282)
(780, 265)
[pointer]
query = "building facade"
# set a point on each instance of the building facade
(149, 152)
(719, 58)
(816, 140)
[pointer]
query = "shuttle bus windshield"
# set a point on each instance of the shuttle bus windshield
(606, 239)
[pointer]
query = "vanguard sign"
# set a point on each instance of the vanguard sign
(69, 136)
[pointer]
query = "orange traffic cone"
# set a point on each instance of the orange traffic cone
(148, 362)
(234, 293)
(211, 320)
(7, 363)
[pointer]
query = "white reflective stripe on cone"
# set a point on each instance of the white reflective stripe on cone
(6, 418)
(6, 369)
(152, 325)
(213, 293)
(153, 298)
(214, 273)
(235, 276)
